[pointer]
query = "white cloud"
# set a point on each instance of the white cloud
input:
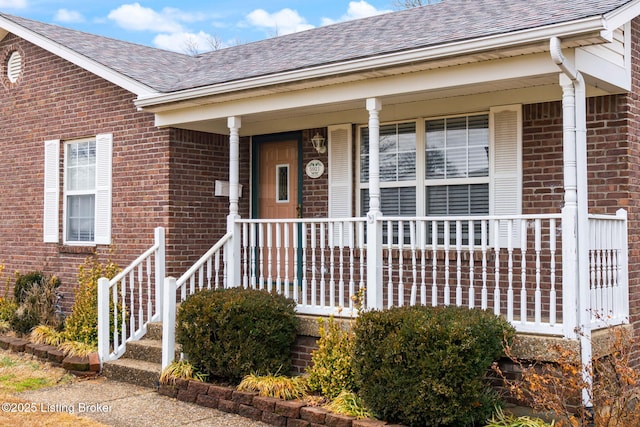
(185, 42)
(286, 21)
(137, 18)
(67, 16)
(356, 10)
(13, 4)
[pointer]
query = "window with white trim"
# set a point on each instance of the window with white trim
(86, 191)
(453, 171)
(80, 191)
(447, 166)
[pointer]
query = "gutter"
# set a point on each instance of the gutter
(582, 227)
(591, 25)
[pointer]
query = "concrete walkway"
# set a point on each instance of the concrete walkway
(123, 405)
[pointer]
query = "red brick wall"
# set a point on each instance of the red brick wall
(55, 99)
(197, 218)
(631, 107)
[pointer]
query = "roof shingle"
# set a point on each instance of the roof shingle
(437, 24)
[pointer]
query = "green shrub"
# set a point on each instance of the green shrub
(230, 333)
(82, 323)
(8, 308)
(331, 371)
(424, 366)
(37, 304)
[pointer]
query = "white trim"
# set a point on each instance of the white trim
(74, 57)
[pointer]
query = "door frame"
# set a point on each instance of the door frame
(255, 164)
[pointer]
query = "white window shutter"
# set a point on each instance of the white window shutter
(340, 173)
(104, 148)
(51, 190)
(506, 169)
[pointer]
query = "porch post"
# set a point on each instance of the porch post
(232, 249)
(374, 226)
(569, 211)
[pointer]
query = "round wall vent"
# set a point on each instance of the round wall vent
(14, 66)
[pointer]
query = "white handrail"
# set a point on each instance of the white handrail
(131, 300)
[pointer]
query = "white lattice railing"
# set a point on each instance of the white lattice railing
(129, 301)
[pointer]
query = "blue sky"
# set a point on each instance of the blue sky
(187, 24)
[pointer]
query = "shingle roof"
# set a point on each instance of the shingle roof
(437, 24)
(156, 68)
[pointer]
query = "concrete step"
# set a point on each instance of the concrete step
(154, 331)
(149, 350)
(139, 372)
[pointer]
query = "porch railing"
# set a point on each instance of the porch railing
(511, 265)
(129, 301)
(608, 263)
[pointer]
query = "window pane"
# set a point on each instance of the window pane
(472, 199)
(457, 147)
(80, 164)
(397, 153)
(80, 218)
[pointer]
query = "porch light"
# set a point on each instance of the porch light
(318, 143)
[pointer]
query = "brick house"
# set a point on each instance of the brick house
(439, 155)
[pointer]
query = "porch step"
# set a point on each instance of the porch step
(133, 371)
(148, 350)
(154, 331)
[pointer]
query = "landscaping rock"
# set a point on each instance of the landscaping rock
(76, 363)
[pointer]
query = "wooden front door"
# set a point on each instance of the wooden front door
(278, 179)
(278, 196)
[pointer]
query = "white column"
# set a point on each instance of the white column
(374, 226)
(569, 211)
(232, 249)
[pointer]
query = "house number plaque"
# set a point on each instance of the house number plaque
(315, 169)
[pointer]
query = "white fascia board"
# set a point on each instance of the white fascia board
(74, 57)
(622, 15)
(476, 73)
(589, 25)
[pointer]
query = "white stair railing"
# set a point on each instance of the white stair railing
(129, 301)
(209, 272)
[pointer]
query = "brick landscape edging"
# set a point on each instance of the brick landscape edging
(276, 412)
(78, 366)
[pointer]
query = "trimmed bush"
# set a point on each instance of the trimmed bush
(230, 333)
(425, 366)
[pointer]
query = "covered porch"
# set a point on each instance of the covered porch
(551, 269)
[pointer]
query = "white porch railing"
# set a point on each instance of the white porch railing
(129, 301)
(510, 265)
(608, 282)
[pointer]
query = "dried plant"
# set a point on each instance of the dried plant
(556, 387)
(279, 386)
(348, 403)
(180, 369)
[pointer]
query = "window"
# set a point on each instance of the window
(457, 166)
(397, 169)
(80, 191)
(448, 166)
(455, 176)
(86, 191)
